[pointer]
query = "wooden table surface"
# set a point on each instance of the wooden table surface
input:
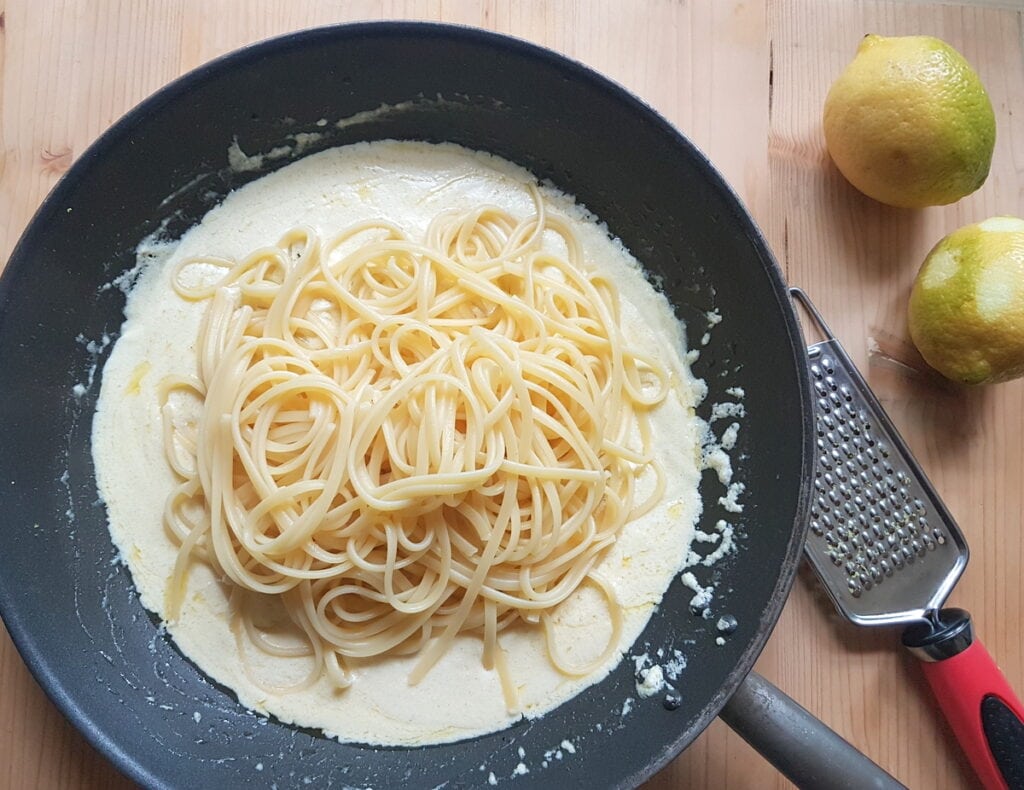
(745, 81)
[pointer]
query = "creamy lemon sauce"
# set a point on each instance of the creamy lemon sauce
(407, 184)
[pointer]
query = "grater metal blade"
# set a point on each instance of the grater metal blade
(881, 540)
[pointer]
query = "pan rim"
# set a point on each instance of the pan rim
(43, 668)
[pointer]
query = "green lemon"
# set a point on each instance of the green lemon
(967, 306)
(909, 123)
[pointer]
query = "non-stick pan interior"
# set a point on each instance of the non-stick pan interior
(69, 605)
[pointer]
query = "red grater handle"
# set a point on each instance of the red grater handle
(984, 712)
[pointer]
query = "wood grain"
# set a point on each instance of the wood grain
(746, 81)
(858, 259)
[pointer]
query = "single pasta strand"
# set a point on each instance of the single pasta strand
(404, 442)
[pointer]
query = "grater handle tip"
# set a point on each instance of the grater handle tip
(982, 709)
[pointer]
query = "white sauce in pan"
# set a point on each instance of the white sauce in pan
(406, 183)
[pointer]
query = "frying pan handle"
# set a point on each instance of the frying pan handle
(981, 708)
(803, 748)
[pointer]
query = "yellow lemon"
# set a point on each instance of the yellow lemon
(909, 122)
(967, 306)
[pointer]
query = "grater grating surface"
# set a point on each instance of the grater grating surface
(881, 541)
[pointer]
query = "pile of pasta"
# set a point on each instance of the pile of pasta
(405, 440)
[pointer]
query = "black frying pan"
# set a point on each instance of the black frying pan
(73, 613)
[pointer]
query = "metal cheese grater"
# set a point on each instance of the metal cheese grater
(888, 552)
(881, 541)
